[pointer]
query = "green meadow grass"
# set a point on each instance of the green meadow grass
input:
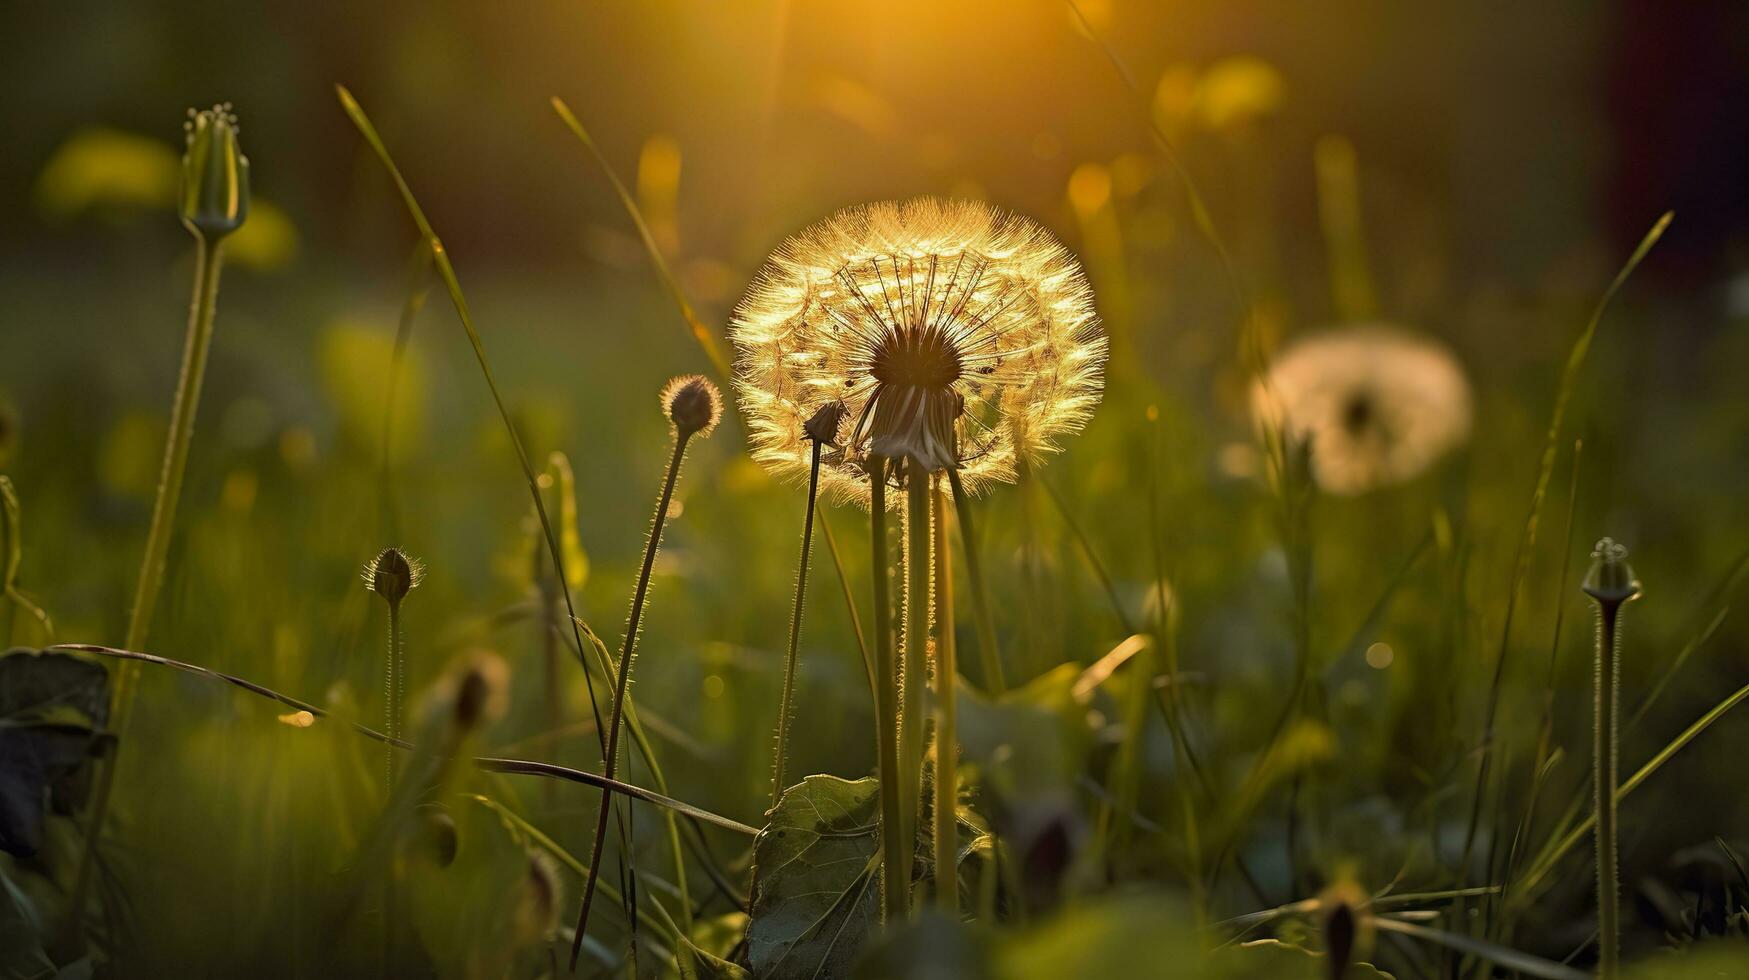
(1200, 705)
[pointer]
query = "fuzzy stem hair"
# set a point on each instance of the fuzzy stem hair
(946, 804)
(895, 857)
(1605, 779)
(785, 706)
(621, 680)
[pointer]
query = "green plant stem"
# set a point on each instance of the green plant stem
(1606, 752)
(795, 632)
(895, 863)
(914, 668)
(946, 806)
(209, 259)
(623, 677)
(397, 682)
(990, 657)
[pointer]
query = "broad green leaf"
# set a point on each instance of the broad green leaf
(815, 892)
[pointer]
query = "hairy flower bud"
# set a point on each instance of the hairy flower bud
(392, 574)
(693, 404)
(215, 174)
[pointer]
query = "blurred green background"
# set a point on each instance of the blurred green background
(1509, 156)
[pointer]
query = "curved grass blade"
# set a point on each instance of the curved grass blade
(706, 339)
(1527, 538)
(490, 764)
(1499, 955)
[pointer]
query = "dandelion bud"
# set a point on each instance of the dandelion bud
(481, 692)
(543, 892)
(1611, 579)
(693, 404)
(822, 426)
(1345, 919)
(436, 836)
(215, 174)
(392, 574)
(8, 432)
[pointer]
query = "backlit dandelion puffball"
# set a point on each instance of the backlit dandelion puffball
(952, 335)
(1380, 406)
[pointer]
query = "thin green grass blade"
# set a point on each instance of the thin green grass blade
(488, 763)
(1547, 862)
(1499, 955)
(706, 339)
(1527, 538)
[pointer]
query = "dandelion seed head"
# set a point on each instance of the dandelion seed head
(951, 334)
(392, 574)
(693, 403)
(1378, 407)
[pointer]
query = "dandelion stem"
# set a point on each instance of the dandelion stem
(989, 656)
(946, 741)
(1606, 751)
(610, 762)
(914, 670)
(396, 682)
(895, 863)
(209, 259)
(795, 631)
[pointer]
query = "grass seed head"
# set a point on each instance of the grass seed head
(953, 335)
(693, 403)
(214, 198)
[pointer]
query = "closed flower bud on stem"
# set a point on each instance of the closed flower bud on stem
(1611, 580)
(693, 404)
(215, 174)
(822, 426)
(392, 574)
(482, 691)
(1345, 919)
(1610, 583)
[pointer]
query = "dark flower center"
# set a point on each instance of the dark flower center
(916, 357)
(1358, 413)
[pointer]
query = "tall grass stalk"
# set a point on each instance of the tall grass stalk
(989, 655)
(895, 857)
(946, 805)
(786, 704)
